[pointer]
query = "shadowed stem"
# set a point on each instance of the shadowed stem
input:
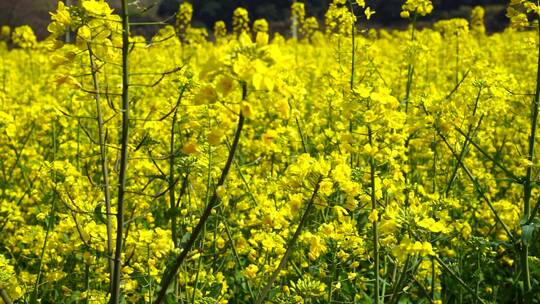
(172, 182)
(50, 219)
(458, 279)
(290, 247)
(410, 67)
(477, 186)
(103, 155)
(115, 293)
(399, 282)
(374, 227)
(4, 296)
(186, 248)
(527, 189)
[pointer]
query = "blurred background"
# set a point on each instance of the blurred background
(35, 12)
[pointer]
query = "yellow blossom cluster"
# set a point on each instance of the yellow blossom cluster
(340, 165)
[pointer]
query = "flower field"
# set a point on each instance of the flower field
(341, 165)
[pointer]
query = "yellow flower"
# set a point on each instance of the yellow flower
(96, 8)
(405, 14)
(251, 271)
(85, 33)
(5, 32)
(62, 15)
(190, 147)
(432, 225)
(206, 95)
(368, 12)
(373, 216)
(215, 136)
(421, 7)
(225, 85)
(24, 37)
(326, 186)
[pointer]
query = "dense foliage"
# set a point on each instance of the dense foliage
(341, 166)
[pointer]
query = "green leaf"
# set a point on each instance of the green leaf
(98, 214)
(527, 233)
(170, 299)
(185, 238)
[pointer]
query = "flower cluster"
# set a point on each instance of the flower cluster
(340, 165)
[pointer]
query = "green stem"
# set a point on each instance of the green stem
(410, 67)
(477, 186)
(399, 282)
(50, 221)
(103, 155)
(489, 157)
(457, 278)
(290, 247)
(375, 227)
(172, 181)
(170, 275)
(86, 281)
(117, 273)
(4, 296)
(235, 252)
(527, 190)
(464, 149)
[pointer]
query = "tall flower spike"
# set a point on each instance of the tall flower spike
(477, 20)
(420, 7)
(24, 37)
(298, 14)
(220, 30)
(183, 20)
(240, 21)
(5, 32)
(310, 26)
(339, 19)
(260, 31)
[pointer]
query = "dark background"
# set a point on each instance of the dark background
(35, 12)
(387, 11)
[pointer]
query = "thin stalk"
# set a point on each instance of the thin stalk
(4, 296)
(410, 78)
(399, 282)
(458, 279)
(332, 277)
(464, 149)
(301, 135)
(433, 278)
(353, 63)
(534, 212)
(104, 169)
(385, 283)
(353, 50)
(68, 32)
(477, 187)
(117, 276)
(86, 281)
(50, 221)
(527, 189)
(457, 57)
(199, 263)
(422, 289)
(294, 25)
(235, 252)
(172, 182)
(375, 227)
(489, 157)
(410, 68)
(290, 246)
(170, 275)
